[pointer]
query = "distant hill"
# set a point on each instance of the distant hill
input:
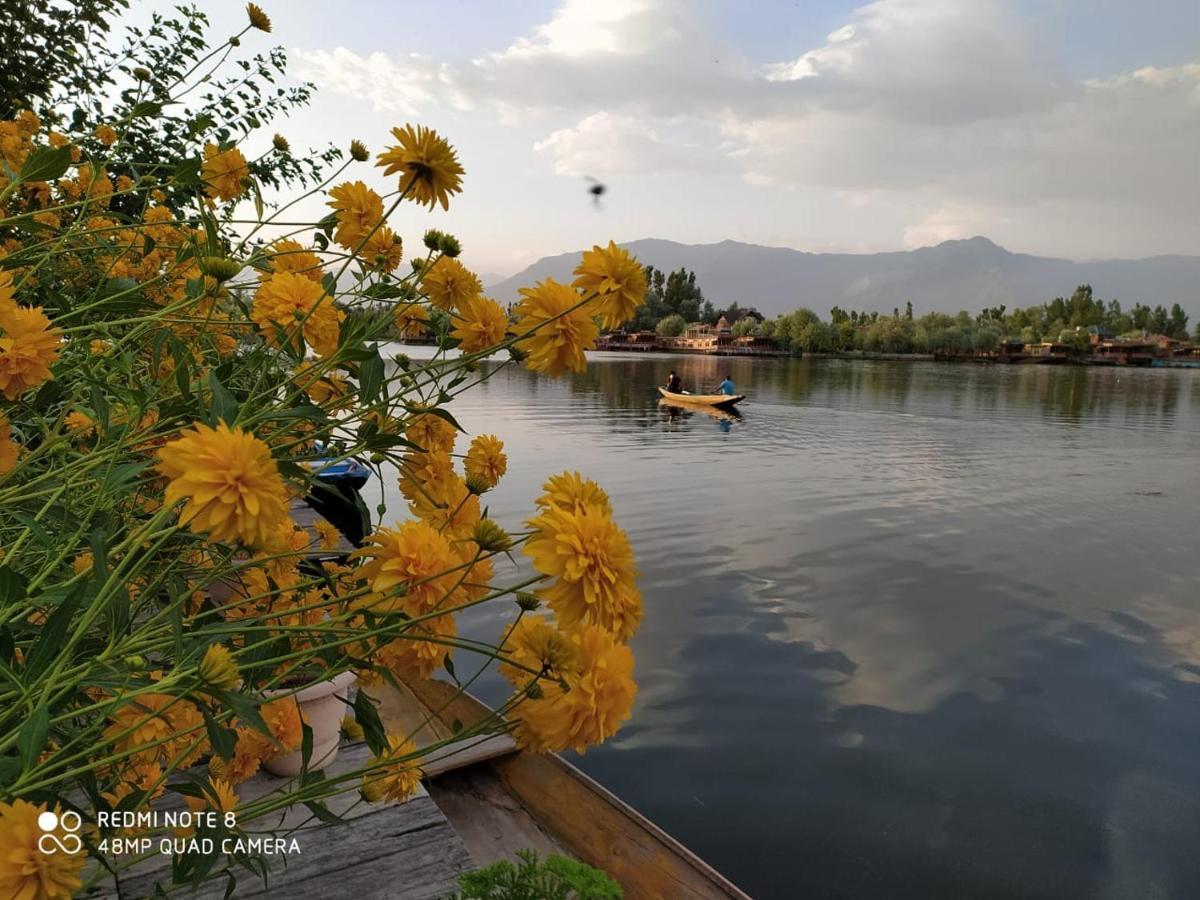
(968, 274)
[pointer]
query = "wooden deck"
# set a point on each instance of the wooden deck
(393, 850)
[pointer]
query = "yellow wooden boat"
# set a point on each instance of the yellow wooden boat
(726, 401)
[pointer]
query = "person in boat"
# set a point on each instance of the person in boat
(674, 384)
(726, 387)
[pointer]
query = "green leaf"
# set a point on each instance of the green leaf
(306, 747)
(321, 811)
(443, 414)
(187, 173)
(368, 717)
(12, 586)
(145, 109)
(224, 406)
(45, 164)
(48, 645)
(246, 710)
(10, 768)
(370, 377)
(32, 739)
(223, 740)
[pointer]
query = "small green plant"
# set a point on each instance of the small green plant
(554, 878)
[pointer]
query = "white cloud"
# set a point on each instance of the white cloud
(603, 144)
(953, 115)
(406, 84)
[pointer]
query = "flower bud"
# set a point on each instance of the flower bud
(351, 730)
(527, 601)
(491, 537)
(142, 74)
(281, 143)
(371, 791)
(433, 239)
(358, 151)
(218, 668)
(450, 246)
(477, 485)
(220, 267)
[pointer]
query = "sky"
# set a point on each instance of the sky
(1056, 127)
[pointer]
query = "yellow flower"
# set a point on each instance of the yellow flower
(220, 797)
(411, 656)
(534, 643)
(392, 778)
(428, 166)
(327, 534)
(486, 459)
(430, 432)
(415, 556)
(590, 557)
(258, 18)
(448, 283)
(561, 330)
(567, 490)
(222, 172)
(283, 720)
(330, 389)
(98, 346)
(106, 135)
(358, 210)
(29, 346)
(411, 319)
(450, 507)
(80, 424)
(424, 472)
(383, 250)
(231, 484)
(9, 449)
(83, 562)
(248, 754)
(614, 276)
(286, 300)
(291, 256)
(479, 324)
(26, 873)
(599, 697)
(218, 668)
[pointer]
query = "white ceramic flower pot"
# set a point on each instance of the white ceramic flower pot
(322, 708)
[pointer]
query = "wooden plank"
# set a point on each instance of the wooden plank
(381, 846)
(401, 850)
(467, 753)
(491, 823)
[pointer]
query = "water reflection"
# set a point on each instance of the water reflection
(912, 629)
(677, 414)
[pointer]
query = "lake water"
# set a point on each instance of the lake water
(912, 629)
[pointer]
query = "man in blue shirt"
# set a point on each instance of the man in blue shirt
(726, 387)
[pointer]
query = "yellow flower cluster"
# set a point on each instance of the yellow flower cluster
(580, 663)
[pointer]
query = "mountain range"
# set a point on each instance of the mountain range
(965, 274)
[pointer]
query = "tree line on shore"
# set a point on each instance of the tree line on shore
(675, 300)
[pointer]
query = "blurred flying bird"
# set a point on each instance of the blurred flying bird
(596, 189)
